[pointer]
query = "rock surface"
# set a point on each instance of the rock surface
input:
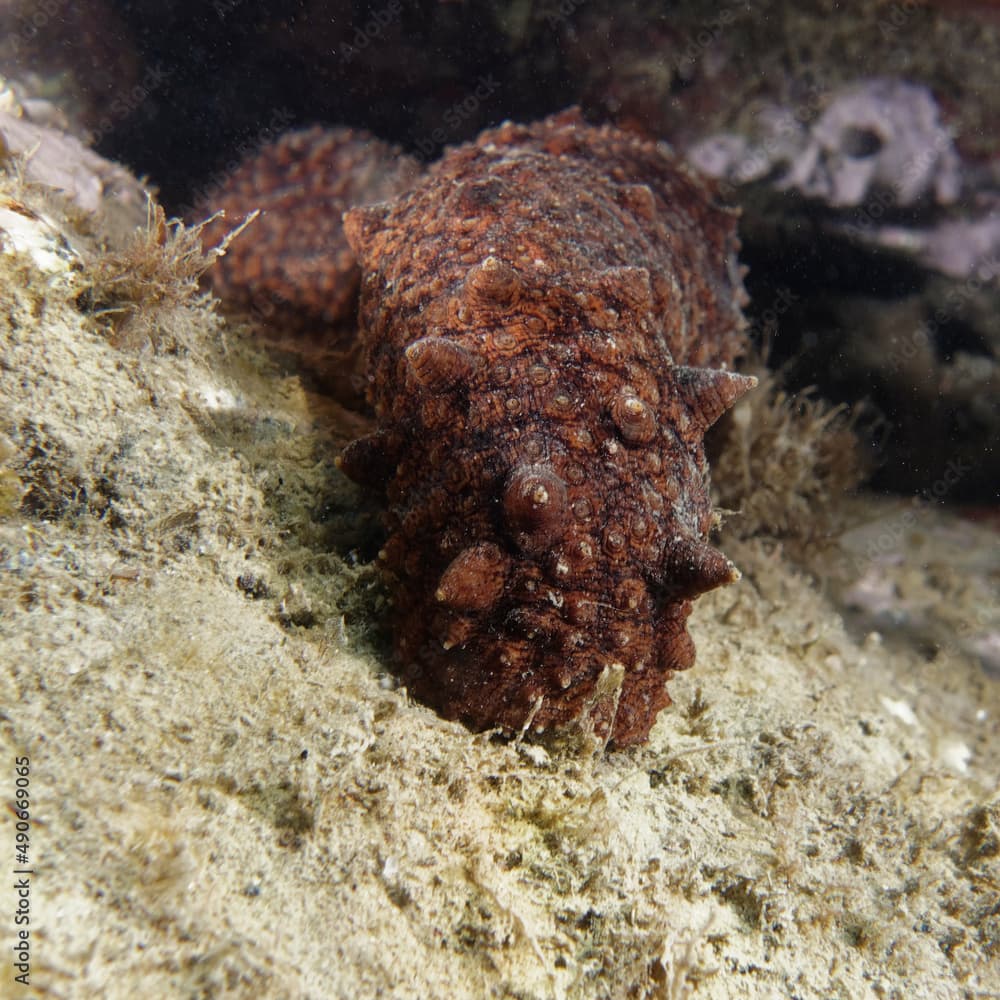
(230, 797)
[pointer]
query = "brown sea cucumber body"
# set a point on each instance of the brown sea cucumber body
(548, 317)
(293, 271)
(295, 263)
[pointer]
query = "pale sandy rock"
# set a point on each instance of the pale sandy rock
(231, 798)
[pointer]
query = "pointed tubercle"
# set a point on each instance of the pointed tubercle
(370, 460)
(692, 567)
(475, 579)
(709, 392)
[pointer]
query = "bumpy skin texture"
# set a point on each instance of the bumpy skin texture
(537, 315)
(293, 269)
(294, 264)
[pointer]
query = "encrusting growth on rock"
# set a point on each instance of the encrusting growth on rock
(548, 317)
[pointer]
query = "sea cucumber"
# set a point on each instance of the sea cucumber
(548, 317)
(294, 271)
(295, 263)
